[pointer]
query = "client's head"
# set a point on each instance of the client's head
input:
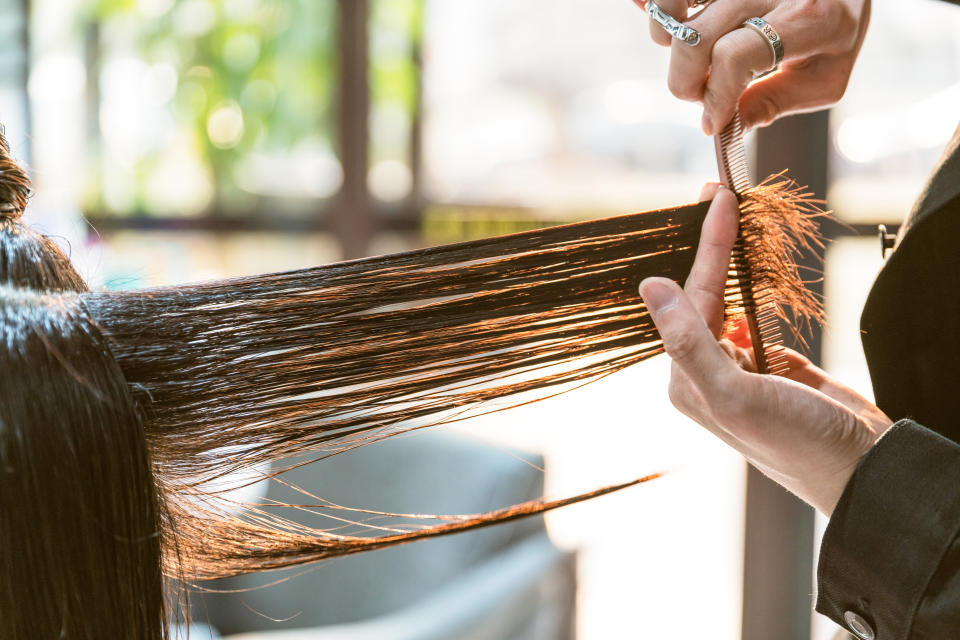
(79, 525)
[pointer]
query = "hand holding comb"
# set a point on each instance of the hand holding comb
(748, 265)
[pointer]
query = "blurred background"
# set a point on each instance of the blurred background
(181, 140)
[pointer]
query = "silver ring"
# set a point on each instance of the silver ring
(676, 29)
(772, 38)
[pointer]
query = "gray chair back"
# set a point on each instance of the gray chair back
(425, 472)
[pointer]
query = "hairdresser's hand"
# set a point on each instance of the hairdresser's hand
(804, 430)
(821, 40)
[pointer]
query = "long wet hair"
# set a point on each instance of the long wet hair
(120, 412)
(80, 515)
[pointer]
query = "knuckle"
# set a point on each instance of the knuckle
(682, 344)
(816, 11)
(729, 348)
(835, 22)
(844, 24)
(738, 55)
(837, 87)
(730, 72)
(711, 295)
(768, 108)
(728, 52)
(682, 87)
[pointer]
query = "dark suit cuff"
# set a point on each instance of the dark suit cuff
(890, 530)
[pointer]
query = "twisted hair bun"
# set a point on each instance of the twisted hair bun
(28, 259)
(14, 183)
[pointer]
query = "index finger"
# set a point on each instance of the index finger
(705, 284)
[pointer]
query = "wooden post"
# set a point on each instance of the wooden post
(353, 216)
(778, 551)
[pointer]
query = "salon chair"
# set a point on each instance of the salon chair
(507, 582)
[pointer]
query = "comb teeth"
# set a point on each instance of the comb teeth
(732, 156)
(764, 323)
(755, 296)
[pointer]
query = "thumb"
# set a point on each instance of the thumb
(808, 86)
(685, 335)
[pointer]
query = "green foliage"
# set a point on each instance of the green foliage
(253, 77)
(396, 32)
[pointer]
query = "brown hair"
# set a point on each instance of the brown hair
(79, 511)
(188, 384)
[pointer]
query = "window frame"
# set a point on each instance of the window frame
(353, 215)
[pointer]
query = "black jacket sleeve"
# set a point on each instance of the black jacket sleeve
(891, 553)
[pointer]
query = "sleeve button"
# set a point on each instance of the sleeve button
(860, 627)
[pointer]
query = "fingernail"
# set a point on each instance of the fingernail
(725, 189)
(658, 296)
(707, 125)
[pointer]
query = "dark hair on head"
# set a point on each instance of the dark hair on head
(78, 506)
(118, 409)
(79, 515)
